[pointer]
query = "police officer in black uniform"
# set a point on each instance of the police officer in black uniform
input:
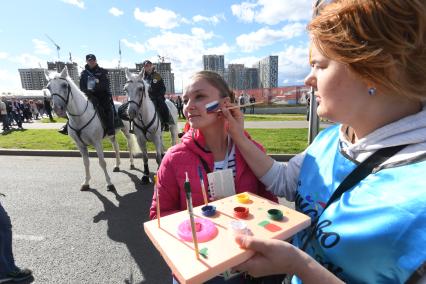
(94, 83)
(156, 92)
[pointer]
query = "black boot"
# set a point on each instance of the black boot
(64, 129)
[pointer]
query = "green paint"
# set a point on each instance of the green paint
(263, 223)
(203, 252)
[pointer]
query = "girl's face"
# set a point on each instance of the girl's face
(199, 93)
(341, 95)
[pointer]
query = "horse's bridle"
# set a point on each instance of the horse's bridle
(68, 97)
(143, 94)
(143, 128)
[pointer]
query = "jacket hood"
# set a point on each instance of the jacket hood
(410, 130)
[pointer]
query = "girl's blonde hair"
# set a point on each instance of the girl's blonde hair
(382, 41)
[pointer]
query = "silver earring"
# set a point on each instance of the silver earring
(372, 91)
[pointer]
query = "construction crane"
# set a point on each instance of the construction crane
(119, 53)
(161, 59)
(55, 44)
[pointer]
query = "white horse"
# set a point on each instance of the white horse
(85, 126)
(147, 124)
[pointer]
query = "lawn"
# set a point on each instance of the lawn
(247, 117)
(288, 141)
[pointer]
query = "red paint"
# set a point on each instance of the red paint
(241, 212)
(272, 227)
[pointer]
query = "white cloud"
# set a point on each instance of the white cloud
(136, 46)
(27, 60)
(78, 3)
(115, 11)
(247, 61)
(159, 18)
(9, 80)
(201, 33)
(266, 36)
(272, 12)
(221, 49)
(3, 55)
(245, 11)
(214, 20)
(184, 51)
(293, 65)
(41, 47)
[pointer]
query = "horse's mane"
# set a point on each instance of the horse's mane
(70, 81)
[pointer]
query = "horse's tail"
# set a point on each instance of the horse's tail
(134, 144)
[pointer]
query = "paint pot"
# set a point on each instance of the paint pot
(208, 210)
(239, 227)
(243, 198)
(241, 212)
(275, 214)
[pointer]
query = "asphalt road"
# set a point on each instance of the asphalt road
(68, 236)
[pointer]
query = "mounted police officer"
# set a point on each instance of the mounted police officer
(94, 83)
(156, 91)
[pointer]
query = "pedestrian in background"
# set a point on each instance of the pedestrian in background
(3, 115)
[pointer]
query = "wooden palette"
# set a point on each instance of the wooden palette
(223, 252)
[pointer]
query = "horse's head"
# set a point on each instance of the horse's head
(137, 91)
(60, 90)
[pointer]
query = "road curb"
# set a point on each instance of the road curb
(108, 154)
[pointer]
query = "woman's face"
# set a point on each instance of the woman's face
(341, 96)
(199, 93)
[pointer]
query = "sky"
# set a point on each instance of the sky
(181, 31)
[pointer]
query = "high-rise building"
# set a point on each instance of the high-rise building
(72, 67)
(117, 80)
(251, 78)
(268, 72)
(214, 63)
(235, 76)
(165, 70)
(32, 78)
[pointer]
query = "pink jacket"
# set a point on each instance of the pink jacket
(185, 157)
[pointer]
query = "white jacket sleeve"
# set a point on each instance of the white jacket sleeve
(282, 178)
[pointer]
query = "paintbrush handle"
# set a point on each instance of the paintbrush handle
(240, 106)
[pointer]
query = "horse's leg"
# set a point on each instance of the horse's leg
(117, 153)
(159, 148)
(142, 144)
(102, 163)
(130, 145)
(85, 155)
(174, 133)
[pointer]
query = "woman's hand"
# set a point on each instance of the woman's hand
(279, 257)
(271, 257)
(235, 122)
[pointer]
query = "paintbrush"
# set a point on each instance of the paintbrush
(214, 105)
(187, 187)
(203, 189)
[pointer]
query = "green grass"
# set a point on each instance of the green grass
(273, 117)
(288, 141)
(55, 119)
